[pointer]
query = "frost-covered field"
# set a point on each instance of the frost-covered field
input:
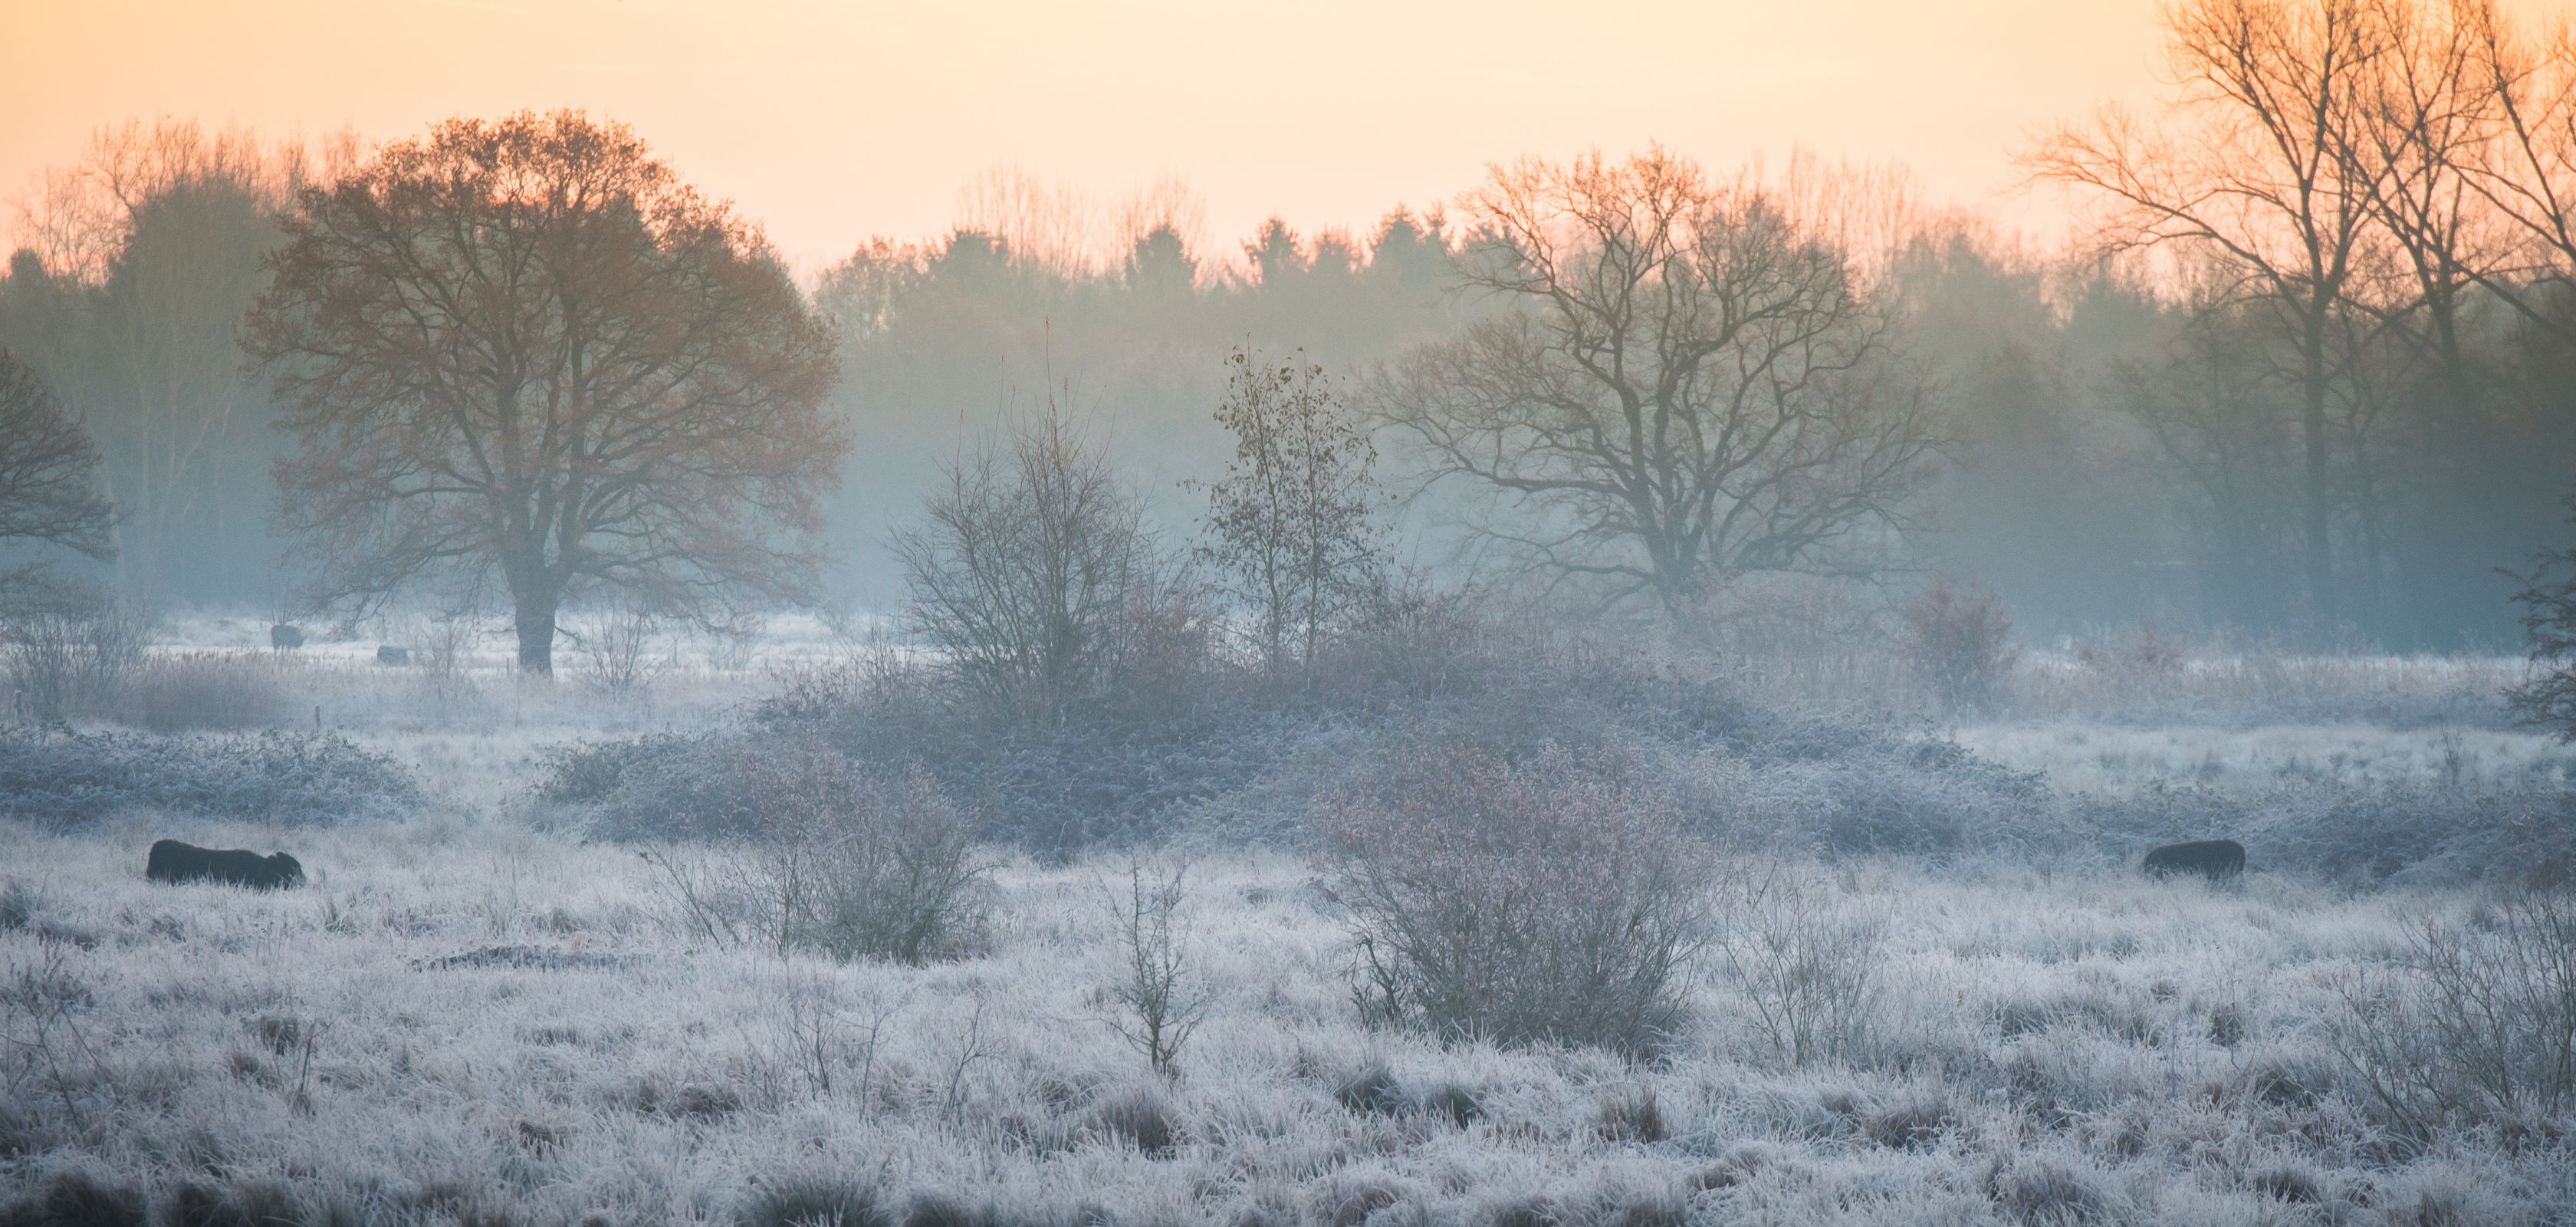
(2116, 759)
(2062, 1044)
(467, 1019)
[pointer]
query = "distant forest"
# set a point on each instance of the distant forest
(2310, 378)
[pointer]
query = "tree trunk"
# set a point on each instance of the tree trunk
(535, 616)
(2318, 509)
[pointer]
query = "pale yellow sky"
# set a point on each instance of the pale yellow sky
(831, 122)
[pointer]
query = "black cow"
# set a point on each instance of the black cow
(2211, 858)
(172, 861)
(283, 635)
(388, 654)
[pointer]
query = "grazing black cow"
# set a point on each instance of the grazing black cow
(172, 861)
(388, 654)
(283, 635)
(2210, 858)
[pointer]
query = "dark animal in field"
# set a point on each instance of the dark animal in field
(2210, 858)
(387, 654)
(285, 636)
(172, 861)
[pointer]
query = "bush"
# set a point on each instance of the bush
(1216, 746)
(1961, 644)
(1808, 963)
(69, 646)
(1546, 903)
(67, 779)
(1160, 1003)
(2474, 1024)
(1029, 567)
(620, 652)
(720, 784)
(895, 871)
(836, 858)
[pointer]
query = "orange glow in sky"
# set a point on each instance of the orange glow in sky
(831, 122)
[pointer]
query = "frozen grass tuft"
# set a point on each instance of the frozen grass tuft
(816, 1201)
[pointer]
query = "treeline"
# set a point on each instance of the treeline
(943, 343)
(2307, 378)
(126, 300)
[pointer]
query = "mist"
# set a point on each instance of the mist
(1646, 688)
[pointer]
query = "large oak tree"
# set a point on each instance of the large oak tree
(524, 349)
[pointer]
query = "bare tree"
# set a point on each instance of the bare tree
(2274, 173)
(1162, 1000)
(1048, 225)
(2525, 172)
(48, 469)
(1026, 569)
(1292, 527)
(2220, 421)
(525, 346)
(1685, 385)
(2428, 124)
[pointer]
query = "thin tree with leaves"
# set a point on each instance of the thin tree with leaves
(1293, 528)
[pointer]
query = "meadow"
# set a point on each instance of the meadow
(480, 1013)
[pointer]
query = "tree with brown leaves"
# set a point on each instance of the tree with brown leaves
(524, 349)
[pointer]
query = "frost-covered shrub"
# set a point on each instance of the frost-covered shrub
(893, 869)
(1809, 963)
(656, 786)
(1863, 792)
(1546, 902)
(1960, 643)
(1930, 799)
(2473, 1023)
(69, 779)
(1236, 755)
(829, 856)
(69, 647)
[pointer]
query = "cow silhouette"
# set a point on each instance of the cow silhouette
(2211, 858)
(284, 635)
(174, 862)
(388, 654)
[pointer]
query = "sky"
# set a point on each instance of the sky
(829, 123)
